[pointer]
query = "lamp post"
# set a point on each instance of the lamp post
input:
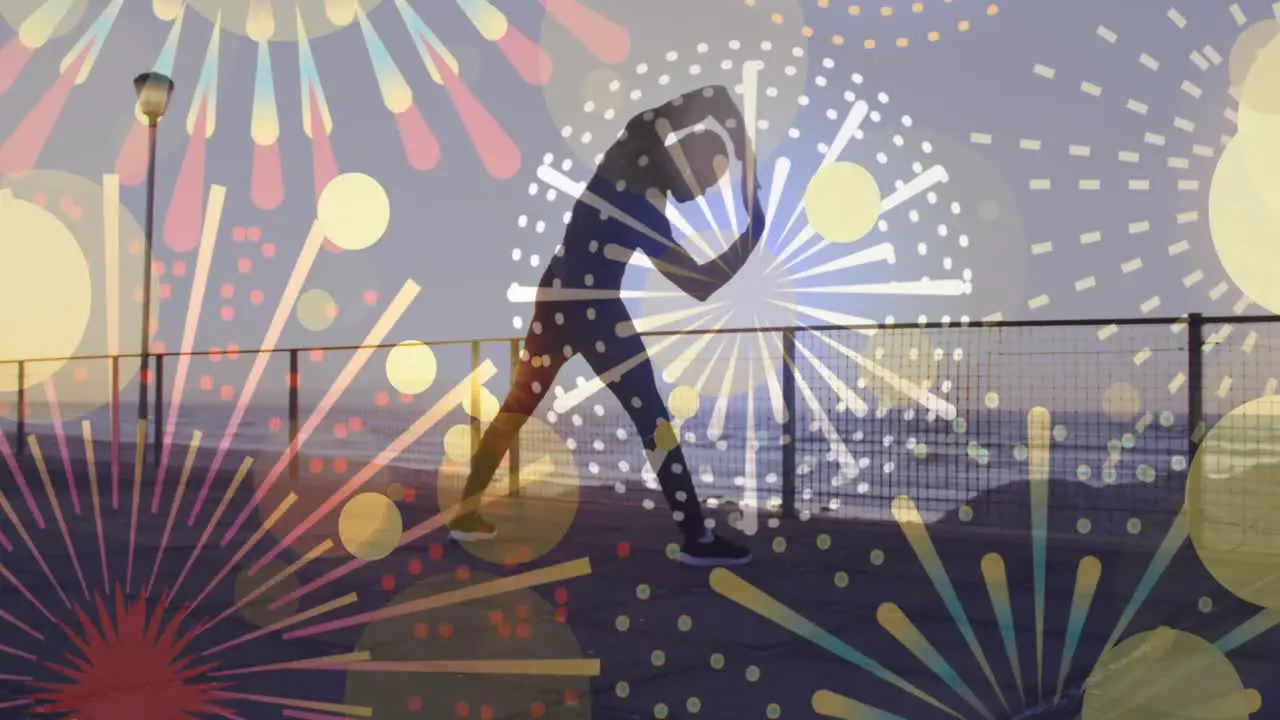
(154, 90)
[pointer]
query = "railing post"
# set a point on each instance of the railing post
(1195, 407)
(21, 440)
(513, 452)
(789, 424)
(475, 401)
(294, 382)
(157, 432)
(115, 431)
(144, 377)
(1195, 383)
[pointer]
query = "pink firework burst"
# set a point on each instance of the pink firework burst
(129, 666)
(267, 26)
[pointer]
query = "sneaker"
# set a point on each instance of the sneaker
(713, 552)
(471, 528)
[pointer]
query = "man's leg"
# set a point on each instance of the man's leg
(639, 395)
(624, 365)
(637, 390)
(533, 379)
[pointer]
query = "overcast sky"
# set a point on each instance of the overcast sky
(454, 228)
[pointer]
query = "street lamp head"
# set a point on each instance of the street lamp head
(154, 90)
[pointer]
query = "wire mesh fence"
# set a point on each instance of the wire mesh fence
(945, 414)
(809, 421)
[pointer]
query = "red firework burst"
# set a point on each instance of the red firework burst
(130, 666)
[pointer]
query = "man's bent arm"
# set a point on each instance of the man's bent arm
(701, 280)
(695, 106)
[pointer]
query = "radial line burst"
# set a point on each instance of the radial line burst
(33, 33)
(86, 430)
(678, 367)
(893, 619)
(802, 263)
(420, 144)
(533, 578)
(199, 284)
(187, 464)
(130, 668)
(1187, 155)
(60, 438)
(881, 252)
(35, 553)
(428, 420)
(538, 471)
(131, 162)
(150, 635)
(752, 598)
(498, 152)
(908, 517)
(289, 296)
(20, 152)
(267, 185)
(844, 459)
(43, 469)
(887, 11)
(395, 310)
(184, 217)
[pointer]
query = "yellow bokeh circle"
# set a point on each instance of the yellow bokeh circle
(316, 310)
(1244, 218)
(684, 402)
(411, 367)
(1244, 194)
(303, 494)
(1248, 45)
(1259, 113)
(1166, 673)
(370, 526)
(842, 202)
(533, 522)
(359, 289)
(38, 21)
(458, 443)
(1260, 56)
(486, 410)
(354, 211)
(898, 365)
(45, 283)
(1233, 500)
(1122, 401)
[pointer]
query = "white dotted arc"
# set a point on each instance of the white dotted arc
(883, 144)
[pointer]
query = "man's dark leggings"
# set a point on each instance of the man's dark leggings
(623, 363)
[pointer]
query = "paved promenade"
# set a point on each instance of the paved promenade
(862, 610)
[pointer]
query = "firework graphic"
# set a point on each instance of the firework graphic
(1130, 676)
(899, 24)
(112, 635)
(1187, 125)
(911, 247)
(264, 22)
(120, 608)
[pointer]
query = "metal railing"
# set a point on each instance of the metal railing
(829, 389)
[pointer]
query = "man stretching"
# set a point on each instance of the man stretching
(631, 187)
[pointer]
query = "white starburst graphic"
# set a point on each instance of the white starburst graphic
(726, 356)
